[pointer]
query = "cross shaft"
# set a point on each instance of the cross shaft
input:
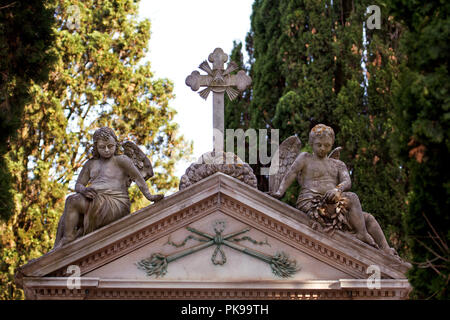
(218, 80)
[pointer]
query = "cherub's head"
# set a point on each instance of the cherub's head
(321, 139)
(106, 143)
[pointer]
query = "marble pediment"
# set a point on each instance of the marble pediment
(218, 238)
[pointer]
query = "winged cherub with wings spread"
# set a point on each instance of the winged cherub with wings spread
(325, 184)
(102, 187)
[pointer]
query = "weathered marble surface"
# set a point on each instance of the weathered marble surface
(212, 162)
(198, 266)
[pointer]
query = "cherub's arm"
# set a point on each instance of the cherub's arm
(83, 180)
(345, 183)
(127, 165)
(290, 176)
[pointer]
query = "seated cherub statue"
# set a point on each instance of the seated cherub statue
(102, 187)
(325, 184)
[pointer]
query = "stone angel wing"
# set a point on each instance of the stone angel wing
(336, 153)
(139, 159)
(287, 153)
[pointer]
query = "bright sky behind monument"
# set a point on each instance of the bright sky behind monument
(184, 33)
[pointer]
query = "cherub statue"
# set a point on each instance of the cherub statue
(102, 187)
(325, 184)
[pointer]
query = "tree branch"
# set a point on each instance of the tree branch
(435, 232)
(8, 5)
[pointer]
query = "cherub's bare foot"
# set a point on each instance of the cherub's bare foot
(390, 251)
(156, 197)
(64, 240)
(315, 225)
(276, 195)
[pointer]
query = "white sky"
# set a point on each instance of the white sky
(183, 34)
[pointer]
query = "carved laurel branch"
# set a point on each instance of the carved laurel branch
(157, 263)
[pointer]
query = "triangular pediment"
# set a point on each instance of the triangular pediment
(219, 262)
(268, 227)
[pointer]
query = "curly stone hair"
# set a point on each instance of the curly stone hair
(321, 130)
(104, 133)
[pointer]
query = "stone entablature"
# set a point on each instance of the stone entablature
(95, 288)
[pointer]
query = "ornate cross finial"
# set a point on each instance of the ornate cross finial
(218, 58)
(218, 80)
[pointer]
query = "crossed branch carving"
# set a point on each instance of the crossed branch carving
(157, 263)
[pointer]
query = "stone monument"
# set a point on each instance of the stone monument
(219, 237)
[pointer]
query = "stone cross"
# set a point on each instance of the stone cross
(218, 80)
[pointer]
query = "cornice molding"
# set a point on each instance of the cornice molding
(95, 288)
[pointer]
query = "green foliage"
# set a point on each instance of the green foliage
(421, 138)
(25, 36)
(365, 120)
(306, 59)
(306, 69)
(236, 112)
(267, 82)
(99, 79)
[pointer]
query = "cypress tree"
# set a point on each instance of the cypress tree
(369, 66)
(26, 36)
(267, 81)
(421, 138)
(236, 112)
